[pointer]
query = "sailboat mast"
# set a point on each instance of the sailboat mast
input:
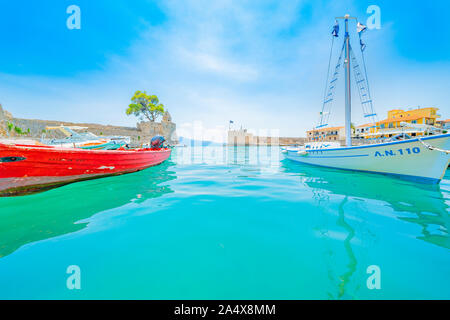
(348, 96)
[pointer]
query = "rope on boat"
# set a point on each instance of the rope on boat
(328, 73)
(430, 147)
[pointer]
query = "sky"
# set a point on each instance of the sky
(262, 64)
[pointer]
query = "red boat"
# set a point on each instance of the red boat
(28, 168)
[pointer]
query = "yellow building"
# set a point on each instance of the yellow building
(443, 124)
(392, 125)
(385, 128)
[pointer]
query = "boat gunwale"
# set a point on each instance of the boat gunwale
(79, 150)
(377, 144)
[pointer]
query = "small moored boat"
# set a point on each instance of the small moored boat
(30, 168)
(84, 140)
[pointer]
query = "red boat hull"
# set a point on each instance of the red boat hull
(25, 168)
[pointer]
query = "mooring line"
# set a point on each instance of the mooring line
(430, 147)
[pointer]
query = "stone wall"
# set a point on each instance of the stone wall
(242, 137)
(142, 133)
(289, 141)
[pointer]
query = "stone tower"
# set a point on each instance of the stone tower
(2, 114)
(2, 122)
(167, 117)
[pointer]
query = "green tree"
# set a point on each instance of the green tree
(10, 126)
(145, 105)
(18, 130)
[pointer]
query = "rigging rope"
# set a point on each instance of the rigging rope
(367, 77)
(363, 88)
(329, 92)
(430, 147)
(328, 72)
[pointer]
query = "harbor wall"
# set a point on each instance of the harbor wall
(244, 138)
(35, 129)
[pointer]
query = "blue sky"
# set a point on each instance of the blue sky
(260, 63)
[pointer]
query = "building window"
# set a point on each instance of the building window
(391, 125)
(382, 126)
(414, 121)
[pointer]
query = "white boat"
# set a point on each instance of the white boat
(410, 159)
(84, 140)
(422, 159)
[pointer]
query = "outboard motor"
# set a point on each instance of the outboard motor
(157, 142)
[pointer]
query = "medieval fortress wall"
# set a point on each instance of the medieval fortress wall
(242, 137)
(35, 129)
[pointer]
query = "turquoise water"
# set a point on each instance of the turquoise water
(229, 223)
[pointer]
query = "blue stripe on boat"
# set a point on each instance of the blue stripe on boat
(355, 156)
(401, 176)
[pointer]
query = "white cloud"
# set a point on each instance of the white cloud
(219, 66)
(261, 64)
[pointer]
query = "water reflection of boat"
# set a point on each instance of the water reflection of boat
(46, 215)
(349, 235)
(418, 203)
